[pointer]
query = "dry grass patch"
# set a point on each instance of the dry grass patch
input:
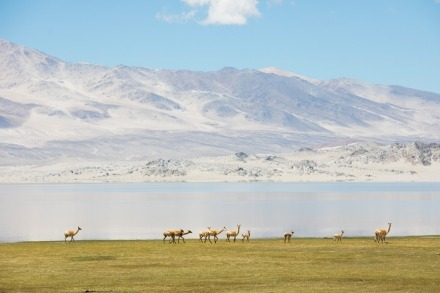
(267, 265)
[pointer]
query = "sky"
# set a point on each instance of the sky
(392, 42)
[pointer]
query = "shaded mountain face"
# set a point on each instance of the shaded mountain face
(50, 108)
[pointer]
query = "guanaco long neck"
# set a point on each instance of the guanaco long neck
(216, 232)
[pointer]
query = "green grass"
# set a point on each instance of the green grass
(266, 265)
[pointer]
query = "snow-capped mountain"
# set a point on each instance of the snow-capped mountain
(51, 109)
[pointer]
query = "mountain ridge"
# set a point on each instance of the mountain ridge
(49, 107)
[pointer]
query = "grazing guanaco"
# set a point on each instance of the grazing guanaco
(287, 236)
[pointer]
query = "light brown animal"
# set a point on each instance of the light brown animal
(180, 235)
(233, 233)
(215, 233)
(171, 234)
(338, 237)
(246, 235)
(287, 236)
(204, 234)
(70, 233)
(381, 234)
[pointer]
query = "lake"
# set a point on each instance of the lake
(41, 212)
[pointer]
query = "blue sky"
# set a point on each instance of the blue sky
(378, 41)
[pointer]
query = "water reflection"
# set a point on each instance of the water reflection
(143, 211)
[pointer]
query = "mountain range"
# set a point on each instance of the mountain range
(51, 109)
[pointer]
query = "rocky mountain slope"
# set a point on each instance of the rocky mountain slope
(55, 110)
(361, 162)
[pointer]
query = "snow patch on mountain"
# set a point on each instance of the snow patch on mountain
(52, 110)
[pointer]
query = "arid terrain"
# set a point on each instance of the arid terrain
(412, 162)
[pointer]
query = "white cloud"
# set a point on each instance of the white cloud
(196, 2)
(173, 18)
(226, 12)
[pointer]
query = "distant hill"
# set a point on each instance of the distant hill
(51, 109)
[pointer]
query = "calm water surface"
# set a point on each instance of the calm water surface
(37, 212)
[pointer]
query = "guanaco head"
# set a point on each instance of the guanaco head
(189, 231)
(79, 228)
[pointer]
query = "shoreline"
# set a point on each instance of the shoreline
(356, 162)
(193, 240)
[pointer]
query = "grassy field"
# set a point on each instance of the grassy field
(266, 265)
